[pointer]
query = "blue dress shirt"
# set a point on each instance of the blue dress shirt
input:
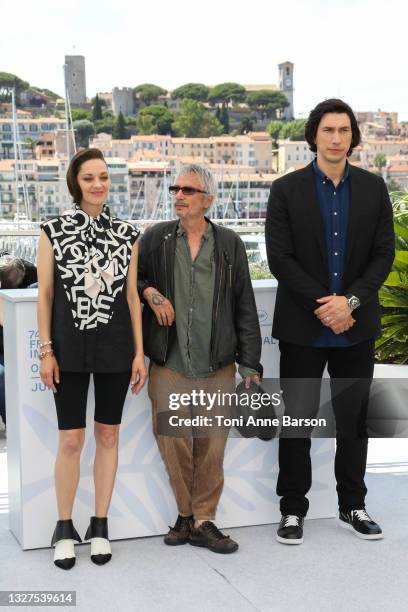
(334, 206)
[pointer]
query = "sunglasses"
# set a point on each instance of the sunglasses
(174, 189)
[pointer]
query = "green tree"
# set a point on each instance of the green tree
(9, 80)
(246, 125)
(97, 109)
(84, 130)
(106, 125)
(227, 92)
(393, 185)
(146, 124)
(224, 118)
(380, 161)
(154, 119)
(148, 93)
(274, 129)
(259, 270)
(119, 131)
(102, 101)
(130, 123)
(192, 91)
(194, 120)
(30, 143)
(218, 113)
(392, 347)
(293, 130)
(51, 95)
(266, 101)
(79, 113)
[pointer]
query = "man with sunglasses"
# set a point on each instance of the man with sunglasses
(199, 319)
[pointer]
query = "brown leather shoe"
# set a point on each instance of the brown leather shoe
(209, 536)
(180, 533)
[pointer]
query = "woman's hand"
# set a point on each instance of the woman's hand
(139, 374)
(49, 372)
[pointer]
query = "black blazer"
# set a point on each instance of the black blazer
(296, 251)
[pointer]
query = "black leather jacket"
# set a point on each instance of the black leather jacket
(235, 333)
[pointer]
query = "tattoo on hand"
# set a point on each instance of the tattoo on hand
(157, 299)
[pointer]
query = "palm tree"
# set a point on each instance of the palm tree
(30, 143)
(392, 347)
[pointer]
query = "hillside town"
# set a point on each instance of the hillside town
(248, 134)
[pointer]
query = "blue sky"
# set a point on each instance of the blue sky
(353, 49)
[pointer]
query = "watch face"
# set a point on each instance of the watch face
(354, 302)
(288, 82)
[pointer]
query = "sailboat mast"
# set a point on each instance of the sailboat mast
(68, 144)
(14, 114)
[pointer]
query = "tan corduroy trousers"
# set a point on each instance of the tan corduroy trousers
(193, 458)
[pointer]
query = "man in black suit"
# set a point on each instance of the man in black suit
(330, 244)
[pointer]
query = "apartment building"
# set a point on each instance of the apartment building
(385, 121)
(127, 148)
(29, 129)
(45, 186)
(44, 181)
(119, 196)
(148, 187)
(371, 148)
(293, 155)
(242, 194)
(253, 149)
(398, 173)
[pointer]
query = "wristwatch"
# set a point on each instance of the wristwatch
(353, 301)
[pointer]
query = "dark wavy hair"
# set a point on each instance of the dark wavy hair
(76, 162)
(12, 271)
(333, 105)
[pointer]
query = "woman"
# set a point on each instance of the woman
(89, 320)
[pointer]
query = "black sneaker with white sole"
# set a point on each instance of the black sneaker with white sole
(360, 523)
(290, 530)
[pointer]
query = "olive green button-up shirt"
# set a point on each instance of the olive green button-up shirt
(193, 300)
(194, 285)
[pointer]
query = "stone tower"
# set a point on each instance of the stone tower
(75, 78)
(123, 100)
(286, 87)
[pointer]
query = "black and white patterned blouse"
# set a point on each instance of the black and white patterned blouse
(91, 320)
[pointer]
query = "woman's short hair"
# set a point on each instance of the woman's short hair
(333, 105)
(76, 162)
(12, 272)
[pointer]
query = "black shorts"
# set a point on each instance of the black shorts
(72, 393)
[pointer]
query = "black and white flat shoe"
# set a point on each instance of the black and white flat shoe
(97, 532)
(64, 537)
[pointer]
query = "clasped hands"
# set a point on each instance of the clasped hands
(335, 313)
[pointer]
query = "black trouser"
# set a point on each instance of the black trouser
(350, 403)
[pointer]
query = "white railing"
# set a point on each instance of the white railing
(21, 239)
